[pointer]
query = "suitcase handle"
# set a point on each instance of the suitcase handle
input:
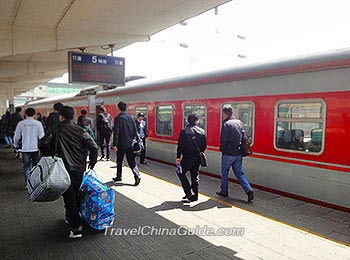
(30, 174)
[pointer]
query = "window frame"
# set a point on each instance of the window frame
(146, 115)
(173, 109)
(253, 117)
(302, 120)
(195, 104)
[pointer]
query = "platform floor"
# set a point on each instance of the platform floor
(275, 227)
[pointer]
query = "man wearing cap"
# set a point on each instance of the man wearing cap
(188, 156)
(141, 125)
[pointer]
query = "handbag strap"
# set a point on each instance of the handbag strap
(136, 131)
(56, 144)
(190, 132)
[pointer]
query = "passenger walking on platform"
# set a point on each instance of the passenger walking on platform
(104, 131)
(86, 122)
(142, 128)
(53, 121)
(124, 134)
(39, 117)
(72, 145)
(29, 131)
(16, 118)
(86, 118)
(231, 149)
(190, 160)
(6, 127)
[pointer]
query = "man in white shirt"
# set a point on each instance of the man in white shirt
(29, 131)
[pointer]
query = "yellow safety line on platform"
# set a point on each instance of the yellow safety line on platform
(226, 203)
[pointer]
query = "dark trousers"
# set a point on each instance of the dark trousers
(190, 164)
(71, 200)
(143, 152)
(29, 159)
(105, 143)
(130, 157)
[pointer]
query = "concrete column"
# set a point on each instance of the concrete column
(10, 98)
(3, 104)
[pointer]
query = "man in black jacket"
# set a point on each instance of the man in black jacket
(124, 134)
(16, 118)
(104, 131)
(53, 119)
(231, 149)
(190, 156)
(72, 145)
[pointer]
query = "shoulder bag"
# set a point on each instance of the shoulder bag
(137, 142)
(246, 150)
(202, 156)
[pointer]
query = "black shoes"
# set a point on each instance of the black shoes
(76, 232)
(191, 198)
(137, 180)
(194, 197)
(250, 196)
(117, 179)
(102, 157)
(144, 162)
(222, 195)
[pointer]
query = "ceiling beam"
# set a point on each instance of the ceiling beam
(40, 39)
(22, 68)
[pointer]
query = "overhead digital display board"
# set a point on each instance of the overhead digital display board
(96, 69)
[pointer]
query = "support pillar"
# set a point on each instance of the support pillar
(10, 98)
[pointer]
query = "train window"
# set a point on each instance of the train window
(143, 110)
(300, 126)
(164, 120)
(244, 111)
(199, 110)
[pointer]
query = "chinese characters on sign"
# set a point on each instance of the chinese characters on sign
(96, 69)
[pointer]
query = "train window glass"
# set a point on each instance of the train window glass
(300, 126)
(164, 120)
(200, 111)
(305, 110)
(143, 110)
(244, 111)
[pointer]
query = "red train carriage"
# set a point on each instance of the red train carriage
(296, 113)
(45, 106)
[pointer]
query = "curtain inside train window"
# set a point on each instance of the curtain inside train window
(300, 125)
(199, 110)
(164, 120)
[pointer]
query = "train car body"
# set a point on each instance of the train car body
(296, 113)
(45, 106)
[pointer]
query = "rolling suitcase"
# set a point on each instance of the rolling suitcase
(48, 180)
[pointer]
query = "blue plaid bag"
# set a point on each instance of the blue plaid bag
(97, 202)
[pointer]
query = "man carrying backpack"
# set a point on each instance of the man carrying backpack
(104, 130)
